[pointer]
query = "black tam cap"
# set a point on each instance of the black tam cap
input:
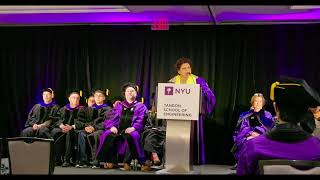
(47, 90)
(75, 91)
(102, 91)
(294, 92)
(129, 84)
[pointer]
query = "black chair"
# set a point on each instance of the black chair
(1, 154)
(1, 149)
(283, 166)
(30, 155)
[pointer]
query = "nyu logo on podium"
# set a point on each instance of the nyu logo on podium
(168, 90)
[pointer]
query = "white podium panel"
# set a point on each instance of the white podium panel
(178, 101)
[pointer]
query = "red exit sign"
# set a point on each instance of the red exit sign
(160, 24)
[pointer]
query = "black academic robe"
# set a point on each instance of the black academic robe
(67, 116)
(154, 135)
(65, 142)
(40, 114)
(91, 116)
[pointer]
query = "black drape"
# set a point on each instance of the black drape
(236, 61)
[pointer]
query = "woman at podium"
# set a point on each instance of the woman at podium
(185, 76)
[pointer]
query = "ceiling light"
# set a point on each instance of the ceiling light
(304, 7)
(60, 9)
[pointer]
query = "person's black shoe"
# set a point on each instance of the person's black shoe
(82, 165)
(95, 164)
(66, 164)
(58, 163)
(234, 167)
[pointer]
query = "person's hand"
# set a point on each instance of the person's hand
(250, 137)
(129, 130)
(115, 103)
(35, 127)
(92, 129)
(114, 130)
(254, 134)
(66, 128)
(89, 129)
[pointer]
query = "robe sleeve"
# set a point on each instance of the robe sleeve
(81, 120)
(32, 118)
(208, 97)
(60, 117)
(113, 118)
(139, 117)
(244, 131)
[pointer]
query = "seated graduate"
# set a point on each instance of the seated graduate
(252, 123)
(64, 131)
(41, 116)
(85, 114)
(153, 136)
(123, 126)
(184, 70)
(287, 140)
(89, 125)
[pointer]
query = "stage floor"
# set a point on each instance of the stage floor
(203, 169)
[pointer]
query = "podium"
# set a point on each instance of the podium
(179, 104)
(31, 155)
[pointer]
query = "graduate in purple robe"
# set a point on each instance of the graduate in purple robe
(40, 118)
(287, 140)
(123, 127)
(252, 123)
(185, 76)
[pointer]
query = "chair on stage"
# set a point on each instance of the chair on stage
(30, 155)
(1, 154)
(1, 149)
(282, 166)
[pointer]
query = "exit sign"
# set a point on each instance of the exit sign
(160, 24)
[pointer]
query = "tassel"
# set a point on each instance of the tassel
(107, 92)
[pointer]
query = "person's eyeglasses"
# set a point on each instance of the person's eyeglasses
(258, 94)
(128, 91)
(98, 95)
